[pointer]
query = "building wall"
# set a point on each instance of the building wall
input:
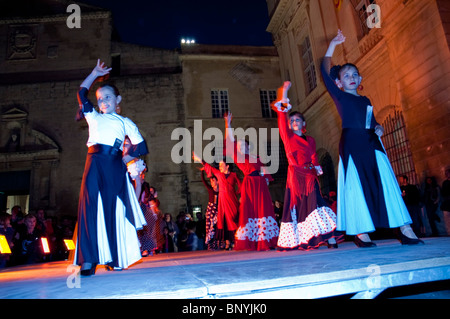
(38, 95)
(243, 71)
(162, 90)
(404, 65)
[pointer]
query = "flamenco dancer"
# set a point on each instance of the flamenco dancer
(307, 221)
(368, 193)
(258, 229)
(211, 211)
(108, 210)
(228, 206)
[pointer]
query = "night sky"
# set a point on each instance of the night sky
(162, 23)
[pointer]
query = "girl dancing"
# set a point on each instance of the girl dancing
(228, 205)
(307, 221)
(108, 210)
(368, 192)
(258, 229)
(211, 211)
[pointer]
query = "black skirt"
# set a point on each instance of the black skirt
(108, 212)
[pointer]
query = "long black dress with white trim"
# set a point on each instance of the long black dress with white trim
(368, 194)
(108, 210)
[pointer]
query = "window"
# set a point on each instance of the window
(309, 69)
(219, 102)
(266, 98)
(362, 15)
(397, 147)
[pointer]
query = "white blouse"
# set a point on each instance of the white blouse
(106, 128)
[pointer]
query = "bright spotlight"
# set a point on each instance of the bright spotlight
(4, 247)
(187, 41)
(45, 246)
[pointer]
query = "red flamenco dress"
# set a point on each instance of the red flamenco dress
(258, 229)
(307, 221)
(228, 205)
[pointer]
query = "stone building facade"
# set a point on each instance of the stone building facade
(239, 79)
(42, 63)
(404, 60)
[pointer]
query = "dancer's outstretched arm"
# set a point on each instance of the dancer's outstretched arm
(281, 104)
(339, 39)
(99, 71)
(228, 117)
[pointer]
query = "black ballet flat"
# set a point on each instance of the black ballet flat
(363, 244)
(333, 246)
(410, 241)
(88, 271)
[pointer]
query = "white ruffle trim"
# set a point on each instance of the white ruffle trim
(279, 105)
(136, 168)
(321, 221)
(258, 229)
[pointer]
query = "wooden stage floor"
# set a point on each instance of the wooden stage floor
(321, 273)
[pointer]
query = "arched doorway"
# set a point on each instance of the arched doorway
(29, 160)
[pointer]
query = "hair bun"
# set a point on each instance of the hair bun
(334, 72)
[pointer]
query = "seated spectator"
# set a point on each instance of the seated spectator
(27, 246)
(191, 243)
(17, 218)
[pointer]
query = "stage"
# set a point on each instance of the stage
(346, 271)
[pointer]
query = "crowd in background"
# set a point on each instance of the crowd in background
(24, 232)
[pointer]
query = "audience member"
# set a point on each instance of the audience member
(154, 207)
(168, 246)
(411, 197)
(445, 205)
(172, 228)
(27, 246)
(17, 217)
(200, 230)
(44, 224)
(431, 196)
(191, 242)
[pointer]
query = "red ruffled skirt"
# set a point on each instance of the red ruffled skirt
(258, 229)
(307, 221)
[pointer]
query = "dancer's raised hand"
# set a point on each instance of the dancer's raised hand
(339, 38)
(196, 158)
(101, 69)
(228, 117)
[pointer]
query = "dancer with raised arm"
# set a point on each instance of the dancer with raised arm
(211, 211)
(307, 220)
(258, 229)
(108, 210)
(228, 206)
(368, 193)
